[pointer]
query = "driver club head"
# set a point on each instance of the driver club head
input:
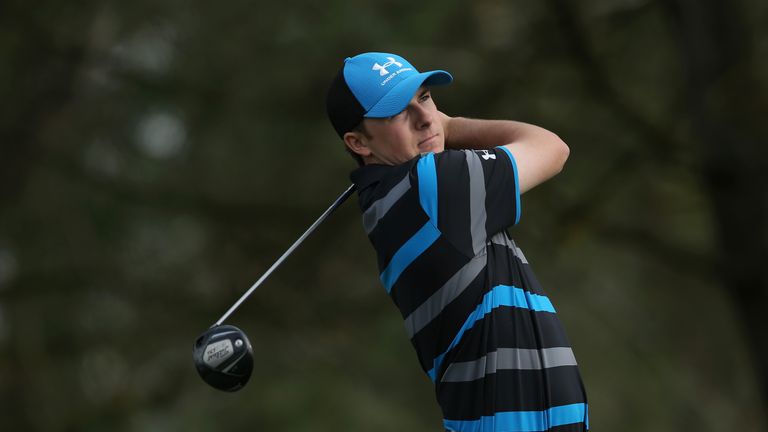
(224, 357)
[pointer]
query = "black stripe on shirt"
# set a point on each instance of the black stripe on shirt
(501, 192)
(453, 199)
(511, 271)
(486, 396)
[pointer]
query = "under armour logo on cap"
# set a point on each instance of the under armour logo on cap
(382, 68)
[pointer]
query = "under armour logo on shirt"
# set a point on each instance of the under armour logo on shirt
(485, 155)
(383, 68)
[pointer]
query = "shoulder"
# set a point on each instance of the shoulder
(375, 181)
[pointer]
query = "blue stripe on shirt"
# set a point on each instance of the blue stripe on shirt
(428, 186)
(520, 421)
(500, 295)
(407, 253)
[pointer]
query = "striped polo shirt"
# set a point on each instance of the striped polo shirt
(483, 329)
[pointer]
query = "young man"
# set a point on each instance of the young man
(437, 195)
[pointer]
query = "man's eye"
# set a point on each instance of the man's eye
(425, 97)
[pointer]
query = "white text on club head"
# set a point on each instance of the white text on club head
(218, 352)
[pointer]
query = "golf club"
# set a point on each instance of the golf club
(223, 354)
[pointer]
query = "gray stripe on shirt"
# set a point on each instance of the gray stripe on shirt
(509, 358)
(435, 304)
(476, 201)
(502, 240)
(380, 207)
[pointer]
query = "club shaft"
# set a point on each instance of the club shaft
(340, 200)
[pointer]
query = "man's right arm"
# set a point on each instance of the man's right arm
(539, 154)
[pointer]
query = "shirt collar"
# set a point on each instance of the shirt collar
(367, 175)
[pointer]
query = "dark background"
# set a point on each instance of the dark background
(157, 156)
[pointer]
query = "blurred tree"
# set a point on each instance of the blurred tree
(726, 105)
(722, 118)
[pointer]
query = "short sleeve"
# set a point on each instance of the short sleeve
(470, 195)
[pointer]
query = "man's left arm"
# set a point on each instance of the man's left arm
(539, 153)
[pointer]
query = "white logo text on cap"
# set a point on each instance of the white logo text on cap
(383, 68)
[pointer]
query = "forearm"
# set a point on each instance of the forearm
(478, 134)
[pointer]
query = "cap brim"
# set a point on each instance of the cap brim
(398, 98)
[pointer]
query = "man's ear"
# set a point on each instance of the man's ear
(357, 143)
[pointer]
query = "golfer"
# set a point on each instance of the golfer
(438, 194)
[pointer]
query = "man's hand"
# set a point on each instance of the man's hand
(446, 122)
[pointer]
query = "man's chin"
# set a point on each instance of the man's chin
(434, 148)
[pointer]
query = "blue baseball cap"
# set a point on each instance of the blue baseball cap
(375, 85)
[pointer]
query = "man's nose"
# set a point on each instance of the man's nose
(422, 116)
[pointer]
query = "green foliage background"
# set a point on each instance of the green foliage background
(157, 156)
